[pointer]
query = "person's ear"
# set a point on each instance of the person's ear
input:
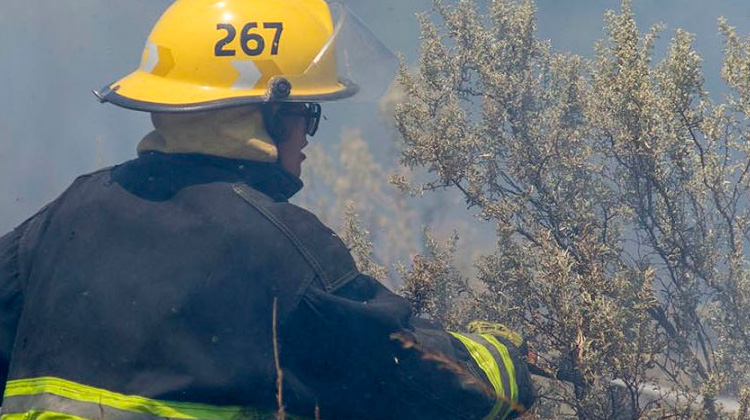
(274, 122)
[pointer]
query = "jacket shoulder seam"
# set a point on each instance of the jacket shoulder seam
(243, 192)
(94, 173)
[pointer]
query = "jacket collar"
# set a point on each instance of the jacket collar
(269, 178)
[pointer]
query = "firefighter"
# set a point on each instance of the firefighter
(183, 285)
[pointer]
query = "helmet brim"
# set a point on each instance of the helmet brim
(142, 91)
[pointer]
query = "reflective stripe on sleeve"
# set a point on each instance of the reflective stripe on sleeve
(508, 362)
(54, 398)
(40, 415)
(489, 366)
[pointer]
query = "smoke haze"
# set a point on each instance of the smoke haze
(54, 53)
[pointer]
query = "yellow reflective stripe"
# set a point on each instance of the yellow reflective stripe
(483, 327)
(132, 403)
(488, 364)
(508, 362)
(40, 415)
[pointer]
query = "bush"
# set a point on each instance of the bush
(619, 191)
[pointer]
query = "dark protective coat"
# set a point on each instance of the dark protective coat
(157, 278)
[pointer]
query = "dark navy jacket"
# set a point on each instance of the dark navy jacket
(157, 278)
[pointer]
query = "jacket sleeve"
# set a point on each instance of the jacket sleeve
(362, 355)
(14, 249)
(10, 298)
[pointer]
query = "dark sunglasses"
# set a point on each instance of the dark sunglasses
(312, 113)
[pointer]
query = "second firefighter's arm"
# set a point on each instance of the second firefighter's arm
(363, 355)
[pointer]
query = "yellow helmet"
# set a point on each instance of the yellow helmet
(211, 54)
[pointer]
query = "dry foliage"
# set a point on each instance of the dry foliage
(619, 189)
(435, 287)
(352, 196)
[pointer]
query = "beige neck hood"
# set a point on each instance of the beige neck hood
(235, 133)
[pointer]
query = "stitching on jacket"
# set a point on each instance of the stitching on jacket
(344, 280)
(303, 289)
(306, 254)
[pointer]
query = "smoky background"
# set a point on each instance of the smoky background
(54, 53)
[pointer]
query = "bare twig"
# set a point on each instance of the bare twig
(280, 413)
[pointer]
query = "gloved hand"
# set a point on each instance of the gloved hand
(500, 330)
(496, 329)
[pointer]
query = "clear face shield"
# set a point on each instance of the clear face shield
(352, 66)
